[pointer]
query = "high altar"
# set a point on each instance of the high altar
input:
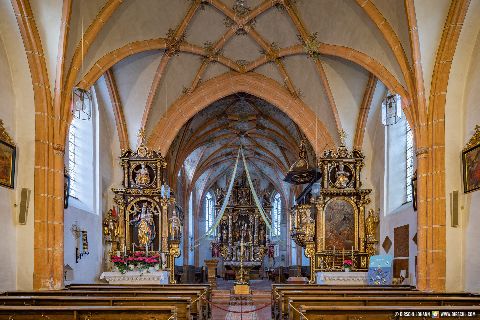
(242, 235)
(145, 233)
(332, 226)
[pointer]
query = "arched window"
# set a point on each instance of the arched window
(276, 214)
(399, 158)
(209, 211)
(82, 162)
(409, 161)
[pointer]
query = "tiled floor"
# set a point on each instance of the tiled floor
(260, 297)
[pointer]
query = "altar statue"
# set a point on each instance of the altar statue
(143, 220)
(143, 177)
(341, 175)
(175, 225)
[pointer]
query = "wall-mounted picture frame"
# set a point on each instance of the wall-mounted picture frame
(471, 163)
(7, 159)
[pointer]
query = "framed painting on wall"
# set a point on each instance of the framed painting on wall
(7, 159)
(471, 163)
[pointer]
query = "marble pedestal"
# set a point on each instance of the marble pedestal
(342, 278)
(136, 277)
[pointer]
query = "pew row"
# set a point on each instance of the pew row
(88, 312)
(298, 302)
(181, 303)
(388, 312)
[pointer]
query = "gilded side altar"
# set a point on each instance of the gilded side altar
(332, 226)
(147, 219)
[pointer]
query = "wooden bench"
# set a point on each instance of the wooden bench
(181, 303)
(297, 302)
(87, 312)
(382, 312)
(281, 302)
(198, 309)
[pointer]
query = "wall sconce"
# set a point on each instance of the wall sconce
(82, 250)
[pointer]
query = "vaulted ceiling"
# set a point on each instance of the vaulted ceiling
(207, 146)
(321, 51)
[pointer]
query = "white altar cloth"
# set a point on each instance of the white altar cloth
(342, 278)
(136, 277)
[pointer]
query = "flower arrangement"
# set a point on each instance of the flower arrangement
(347, 264)
(138, 260)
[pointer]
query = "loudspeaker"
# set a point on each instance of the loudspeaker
(454, 208)
(24, 201)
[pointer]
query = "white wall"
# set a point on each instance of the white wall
(7, 196)
(17, 111)
(89, 267)
(386, 183)
(462, 113)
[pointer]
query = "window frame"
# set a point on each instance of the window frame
(276, 214)
(209, 208)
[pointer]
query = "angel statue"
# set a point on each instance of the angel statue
(143, 220)
(143, 177)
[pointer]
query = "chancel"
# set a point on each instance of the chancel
(239, 159)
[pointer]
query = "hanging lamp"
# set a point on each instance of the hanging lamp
(82, 104)
(300, 172)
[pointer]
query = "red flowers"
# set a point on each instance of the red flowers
(138, 259)
(347, 263)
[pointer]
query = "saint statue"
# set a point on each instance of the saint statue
(110, 227)
(175, 225)
(143, 177)
(341, 176)
(371, 225)
(143, 220)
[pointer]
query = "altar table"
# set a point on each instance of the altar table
(342, 278)
(136, 277)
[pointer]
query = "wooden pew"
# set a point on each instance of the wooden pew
(382, 312)
(277, 288)
(87, 312)
(182, 304)
(281, 302)
(198, 303)
(198, 309)
(297, 302)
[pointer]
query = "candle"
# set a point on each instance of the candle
(133, 247)
(124, 250)
(146, 248)
(343, 255)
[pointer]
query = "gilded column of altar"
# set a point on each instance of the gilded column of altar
(164, 226)
(122, 220)
(310, 253)
(320, 224)
(362, 203)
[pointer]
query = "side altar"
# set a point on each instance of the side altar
(143, 237)
(331, 223)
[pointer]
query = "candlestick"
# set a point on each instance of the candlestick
(343, 255)
(352, 257)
